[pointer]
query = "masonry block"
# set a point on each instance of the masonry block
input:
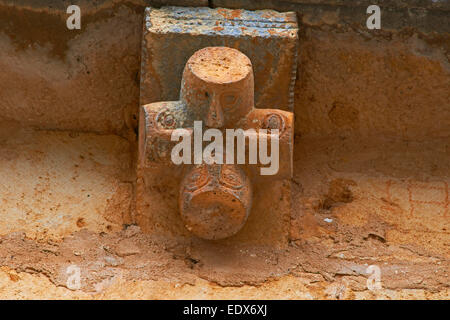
(231, 202)
(172, 34)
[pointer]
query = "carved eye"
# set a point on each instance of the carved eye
(229, 100)
(201, 95)
(274, 121)
(166, 120)
(197, 179)
(230, 178)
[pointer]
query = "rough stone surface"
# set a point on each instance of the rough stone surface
(384, 205)
(371, 158)
(83, 81)
(52, 64)
(55, 183)
(217, 89)
(267, 37)
(350, 85)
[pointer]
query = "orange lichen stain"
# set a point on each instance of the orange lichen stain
(218, 28)
(236, 13)
(230, 14)
(276, 32)
(13, 277)
(243, 29)
(223, 12)
(81, 223)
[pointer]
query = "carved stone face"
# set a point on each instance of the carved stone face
(215, 200)
(217, 86)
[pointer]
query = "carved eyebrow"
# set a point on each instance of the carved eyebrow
(202, 176)
(233, 183)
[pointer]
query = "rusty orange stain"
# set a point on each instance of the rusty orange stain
(230, 14)
(236, 13)
(272, 31)
(222, 12)
(218, 28)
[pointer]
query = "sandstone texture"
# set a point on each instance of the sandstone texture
(371, 159)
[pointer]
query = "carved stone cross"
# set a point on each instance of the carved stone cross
(217, 88)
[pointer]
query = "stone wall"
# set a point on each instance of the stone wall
(351, 80)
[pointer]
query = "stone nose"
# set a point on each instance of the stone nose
(215, 118)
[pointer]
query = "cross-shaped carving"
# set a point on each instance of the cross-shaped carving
(218, 89)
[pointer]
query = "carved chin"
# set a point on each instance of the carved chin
(214, 214)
